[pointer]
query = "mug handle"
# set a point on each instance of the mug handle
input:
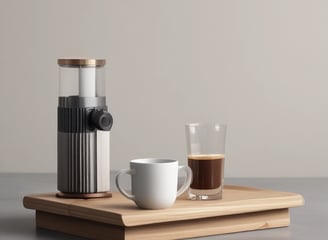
(188, 180)
(117, 182)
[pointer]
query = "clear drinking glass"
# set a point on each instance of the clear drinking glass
(206, 149)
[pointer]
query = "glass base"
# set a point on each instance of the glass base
(205, 194)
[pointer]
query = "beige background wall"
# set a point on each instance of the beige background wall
(260, 66)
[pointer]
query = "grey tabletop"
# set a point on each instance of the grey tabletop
(308, 221)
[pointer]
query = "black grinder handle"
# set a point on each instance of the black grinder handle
(102, 120)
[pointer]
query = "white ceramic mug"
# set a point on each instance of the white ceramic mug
(154, 182)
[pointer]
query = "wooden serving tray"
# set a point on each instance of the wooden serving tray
(241, 209)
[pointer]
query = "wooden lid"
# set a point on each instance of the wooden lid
(81, 62)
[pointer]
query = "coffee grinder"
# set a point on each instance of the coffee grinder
(84, 124)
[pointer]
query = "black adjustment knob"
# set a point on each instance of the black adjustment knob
(102, 120)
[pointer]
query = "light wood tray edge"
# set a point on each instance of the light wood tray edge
(165, 231)
(34, 202)
(282, 203)
(70, 209)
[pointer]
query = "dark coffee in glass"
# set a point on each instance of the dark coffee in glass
(207, 171)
